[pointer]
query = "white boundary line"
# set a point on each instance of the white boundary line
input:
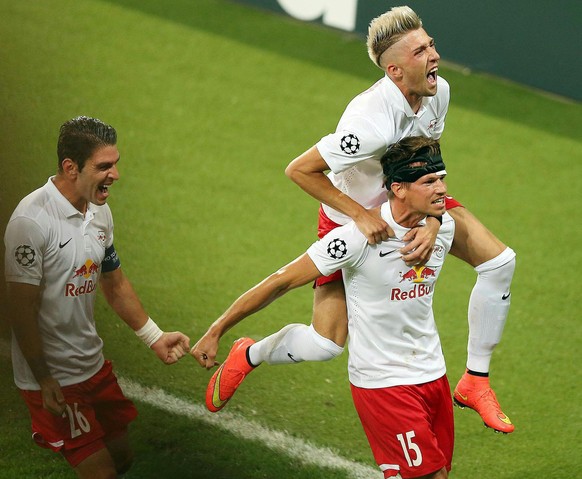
(235, 424)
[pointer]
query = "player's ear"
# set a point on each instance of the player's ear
(394, 71)
(398, 190)
(70, 168)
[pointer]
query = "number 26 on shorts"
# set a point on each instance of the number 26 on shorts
(78, 422)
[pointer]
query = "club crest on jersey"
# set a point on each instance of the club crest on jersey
(439, 251)
(350, 144)
(433, 124)
(101, 237)
(418, 274)
(337, 248)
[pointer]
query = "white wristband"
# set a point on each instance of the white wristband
(149, 333)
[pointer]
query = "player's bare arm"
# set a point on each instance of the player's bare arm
(123, 299)
(308, 171)
(22, 312)
(293, 275)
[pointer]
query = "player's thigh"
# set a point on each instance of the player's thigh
(330, 317)
(99, 465)
(473, 242)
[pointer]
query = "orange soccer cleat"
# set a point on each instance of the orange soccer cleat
(229, 376)
(475, 392)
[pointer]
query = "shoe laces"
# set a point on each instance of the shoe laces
(489, 399)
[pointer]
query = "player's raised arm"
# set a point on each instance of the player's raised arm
(308, 171)
(297, 273)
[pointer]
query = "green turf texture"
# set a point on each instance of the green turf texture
(211, 100)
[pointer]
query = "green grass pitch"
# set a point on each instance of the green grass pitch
(211, 100)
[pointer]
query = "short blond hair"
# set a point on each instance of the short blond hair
(386, 29)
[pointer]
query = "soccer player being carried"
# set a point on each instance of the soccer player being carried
(59, 247)
(395, 359)
(411, 99)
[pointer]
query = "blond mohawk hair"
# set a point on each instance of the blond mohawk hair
(386, 29)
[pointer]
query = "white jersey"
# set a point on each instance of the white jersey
(50, 244)
(393, 338)
(374, 120)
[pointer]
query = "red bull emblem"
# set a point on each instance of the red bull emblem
(417, 291)
(88, 269)
(418, 274)
(85, 271)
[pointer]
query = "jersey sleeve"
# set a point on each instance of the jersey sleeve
(343, 247)
(355, 140)
(25, 247)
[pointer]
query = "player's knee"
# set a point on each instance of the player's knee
(121, 453)
(325, 349)
(501, 267)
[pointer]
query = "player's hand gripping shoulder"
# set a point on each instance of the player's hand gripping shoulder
(205, 350)
(171, 347)
(422, 239)
(372, 226)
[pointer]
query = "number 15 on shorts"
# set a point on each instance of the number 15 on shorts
(407, 443)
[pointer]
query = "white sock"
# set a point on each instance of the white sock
(488, 309)
(293, 344)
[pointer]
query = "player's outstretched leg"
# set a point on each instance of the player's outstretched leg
(229, 376)
(488, 309)
(475, 392)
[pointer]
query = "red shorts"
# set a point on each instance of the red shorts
(96, 412)
(410, 428)
(325, 225)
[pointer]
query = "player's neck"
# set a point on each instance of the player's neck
(68, 191)
(403, 215)
(414, 101)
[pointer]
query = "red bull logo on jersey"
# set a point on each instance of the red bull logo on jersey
(418, 274)
(417, 291)
(86, 271)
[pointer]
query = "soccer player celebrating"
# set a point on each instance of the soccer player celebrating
(411, 99)
(59, 246)
(396, 366)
